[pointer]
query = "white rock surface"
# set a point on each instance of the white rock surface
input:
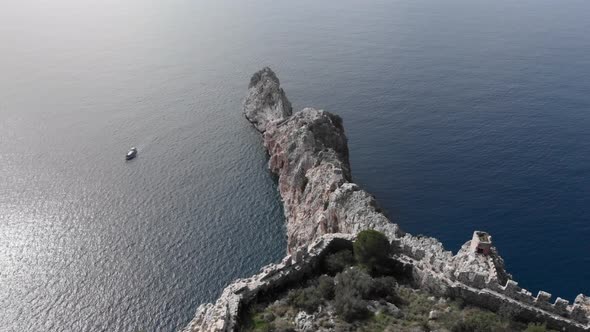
(304, 322)
(266, 102)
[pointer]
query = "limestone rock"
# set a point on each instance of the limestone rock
(266, 101)
(434, 315)
(309, 153)
(305, 322)
(378, 307)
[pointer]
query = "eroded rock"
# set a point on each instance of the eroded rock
(266, 101)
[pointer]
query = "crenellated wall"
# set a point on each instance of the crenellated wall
(475, 278)
(511, 289)
(508, 298)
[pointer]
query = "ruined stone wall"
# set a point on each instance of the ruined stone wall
(468, 272)
(508, 298)
(542, 301)
(224, 314)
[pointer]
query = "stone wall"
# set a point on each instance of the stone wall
(510, 298)
(223, 316)
(482, 281)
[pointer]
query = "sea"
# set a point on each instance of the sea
(461, 115)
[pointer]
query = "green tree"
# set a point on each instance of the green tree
(336, 262)
(371, 249)
(308, 299)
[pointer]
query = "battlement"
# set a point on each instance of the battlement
(468, 287)
(481, 242)
(480, 272)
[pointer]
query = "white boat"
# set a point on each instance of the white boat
(131, 154)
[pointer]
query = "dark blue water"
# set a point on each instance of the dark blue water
(461, 115)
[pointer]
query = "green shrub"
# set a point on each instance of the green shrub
(371, 249)
(385, 288)
(338, 261)
(282, 326)
(279, 308)
(351, 287)
(326, 287)
(354, 286)
(480, 321)
(536, 327)
(419, 305)
(354, 279)
(350, 306)
(259, 323)
(308, 299)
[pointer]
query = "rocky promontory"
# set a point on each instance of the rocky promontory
(266, 102)
(308, 151)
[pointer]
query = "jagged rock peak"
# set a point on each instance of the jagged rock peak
(313, 131)
(309, 153)
(266, 101)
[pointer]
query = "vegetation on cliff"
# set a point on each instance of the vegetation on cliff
(355, 293)
(371, 249)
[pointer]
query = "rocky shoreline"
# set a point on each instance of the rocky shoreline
(309, 153)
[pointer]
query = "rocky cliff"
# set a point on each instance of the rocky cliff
(266, 102)
(309, 153)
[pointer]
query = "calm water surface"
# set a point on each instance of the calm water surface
(461, 115)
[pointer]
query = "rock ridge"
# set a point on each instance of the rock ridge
(266, 101)
(308, 151)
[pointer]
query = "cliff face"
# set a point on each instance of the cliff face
(309, 153)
